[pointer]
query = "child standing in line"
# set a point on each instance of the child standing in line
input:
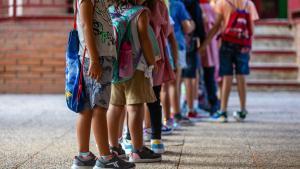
(183, 25)
(233, 15)
(210, 60)
(132, 76)
(190, 73)
(159, 20)
(93, 22)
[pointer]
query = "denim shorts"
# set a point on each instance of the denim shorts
(233, 61)
(192, 60)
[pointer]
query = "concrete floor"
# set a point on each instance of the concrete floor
(37, 132)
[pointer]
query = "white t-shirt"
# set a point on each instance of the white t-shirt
(103, 29)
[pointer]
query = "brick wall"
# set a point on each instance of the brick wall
(32, 56)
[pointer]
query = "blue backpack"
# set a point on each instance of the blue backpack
(74, 87)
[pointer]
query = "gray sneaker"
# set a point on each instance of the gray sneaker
(80, 163)
(145, 155)
(118, 151)
(114, 163)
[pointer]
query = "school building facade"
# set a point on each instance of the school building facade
(33, 36)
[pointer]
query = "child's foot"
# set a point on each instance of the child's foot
(220, 117)
(80, 162)
(147, 134)
(240, 115)
(157, 146)
(144, 155)
(165, 130)
(118, 151)
(172, 124)
(114, 162)
(184, 121)
(127, 146)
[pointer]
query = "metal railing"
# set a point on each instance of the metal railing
(35, 9)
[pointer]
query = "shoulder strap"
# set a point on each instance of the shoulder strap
(246, 4)
(231, 4)
(75, 15)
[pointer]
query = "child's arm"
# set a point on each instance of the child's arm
(212, 33)
(147, 48)
(188, 26)
(174, 47)
(86, 16)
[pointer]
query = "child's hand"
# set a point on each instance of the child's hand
(95, 70)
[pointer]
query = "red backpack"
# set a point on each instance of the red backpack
(239, 30)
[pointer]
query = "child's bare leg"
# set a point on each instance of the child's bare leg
(99, 125)
(83, 129)
(195, 87)
(164, 95)
(226, 88)
(113, 118)
(121, 123)
(147, 117)
(189, 93)
(174, 96)
(135, 122)
(242, 90)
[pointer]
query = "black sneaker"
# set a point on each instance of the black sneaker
(220, 117)
(240, 115)
(80, 163)
(118, 151)
(184, 121)
(144, 156)
(114, 163)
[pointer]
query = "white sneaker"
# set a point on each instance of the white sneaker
(147, 134)
(157, 146)
(127, 146)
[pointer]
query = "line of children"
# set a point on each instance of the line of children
(136, 54)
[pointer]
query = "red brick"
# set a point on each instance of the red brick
(54, 76)
(8, 75)
(29, 75)
(55, 62)
(60, 69)
(41, 81)
(8, 88)
(17, 81)
(1, 69)
(41, 69)
(8, 61)
(29, 88)
(29, 61)
(16, 68)
(58, 89)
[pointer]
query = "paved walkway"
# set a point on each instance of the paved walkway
(37, 132)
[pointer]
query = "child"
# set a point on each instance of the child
(159, 21)
(210, 60)
(189, 74)
(234, 52)
(133, 87)
(169, 92)
(183, 25)
(93, 21)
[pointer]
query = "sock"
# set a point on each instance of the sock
(107, 158)
(85, 155)
(195, 103)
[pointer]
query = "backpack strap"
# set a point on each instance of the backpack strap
(75, 15)
(246, 4)
(231, 4)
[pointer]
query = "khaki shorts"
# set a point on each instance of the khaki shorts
(137, 90)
